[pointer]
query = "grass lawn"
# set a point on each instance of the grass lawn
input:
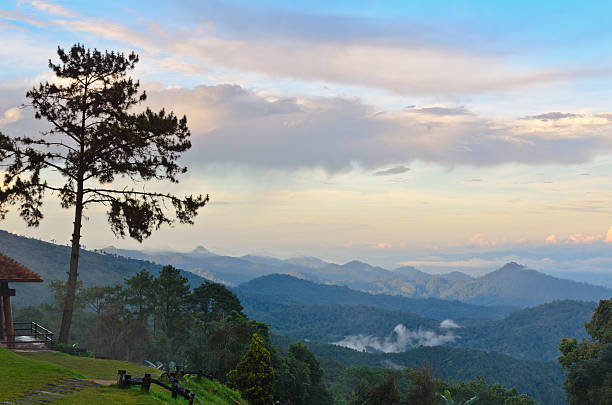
(92, 368)
(212, 392)
(24, 372)
(19, 374)
(112, 395)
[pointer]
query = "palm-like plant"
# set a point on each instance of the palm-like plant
(448, 399)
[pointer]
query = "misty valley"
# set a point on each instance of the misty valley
(230, 202)
(350, 331)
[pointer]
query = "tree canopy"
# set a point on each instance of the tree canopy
(589, 363)
(96, 137)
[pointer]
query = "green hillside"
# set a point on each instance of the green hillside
(333, 322)
(532, 333)
(542, 380)
(28, 372)
(285, 289)
(51, 262)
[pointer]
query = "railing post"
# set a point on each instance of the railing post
(174, 389)
(120, 378)
(146, 383)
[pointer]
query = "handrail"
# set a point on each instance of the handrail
(40, 333)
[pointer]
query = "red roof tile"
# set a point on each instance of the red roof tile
(12, 271)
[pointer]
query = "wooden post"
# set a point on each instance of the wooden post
(120, 378)
(1, 322)
(174, 389)
(8, 318)
(146, 383)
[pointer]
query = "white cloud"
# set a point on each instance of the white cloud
(400, 340)
(448, 324)
(52, 8)
(232, 124)
(9, 116)
(403, 67)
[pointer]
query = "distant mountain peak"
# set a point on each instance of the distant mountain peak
(513, 266)
(201, 250)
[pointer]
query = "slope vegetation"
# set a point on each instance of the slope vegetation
(51, 262)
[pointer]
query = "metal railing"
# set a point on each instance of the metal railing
(30, 332)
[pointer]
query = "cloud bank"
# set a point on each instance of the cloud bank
(371, 55)
(233, 124)
(400, 340)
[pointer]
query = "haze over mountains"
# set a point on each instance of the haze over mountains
(476, 322)
(512, 285)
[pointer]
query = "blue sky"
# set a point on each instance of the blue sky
(394, 132)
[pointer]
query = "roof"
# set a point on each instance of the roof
(12, 271)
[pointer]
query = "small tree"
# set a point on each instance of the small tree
(214, 301)
(253, 376)
(172, 298)
(139, 293)
(96, 138)
(385, 393)
(589, 363)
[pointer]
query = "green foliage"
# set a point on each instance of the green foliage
(171, 294)
(541, 380)
(589, 363)
(217, 346)
(298, 378)
(424, 387)
(95, 137)
(385, 393)
(253, 375)
(284, 289)
(494, 394)
(600, 326)
(213, 301)
(448, 399)
(531, 333)
(139, 293)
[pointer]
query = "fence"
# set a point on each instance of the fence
(126, 380)
(28, 333)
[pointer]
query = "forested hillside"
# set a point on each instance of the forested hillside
(51, 262)
(532, 333)
(517, 285)
(543, 380)
(285, 289)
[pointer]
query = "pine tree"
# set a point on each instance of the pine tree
(254, 376)
(96, 138)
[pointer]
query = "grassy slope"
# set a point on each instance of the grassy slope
(20, 375)
(89, 367)
(25, 372)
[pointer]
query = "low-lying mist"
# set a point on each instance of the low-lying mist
(401, 339)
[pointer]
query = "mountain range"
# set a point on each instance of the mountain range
(511, 285)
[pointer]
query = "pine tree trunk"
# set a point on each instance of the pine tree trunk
(74, 265)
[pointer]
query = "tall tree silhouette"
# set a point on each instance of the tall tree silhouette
(95, 139)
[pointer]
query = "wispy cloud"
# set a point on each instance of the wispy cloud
(552, 116)
(392, 171)
(401, 339)
(422, 66)
(233, 124)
